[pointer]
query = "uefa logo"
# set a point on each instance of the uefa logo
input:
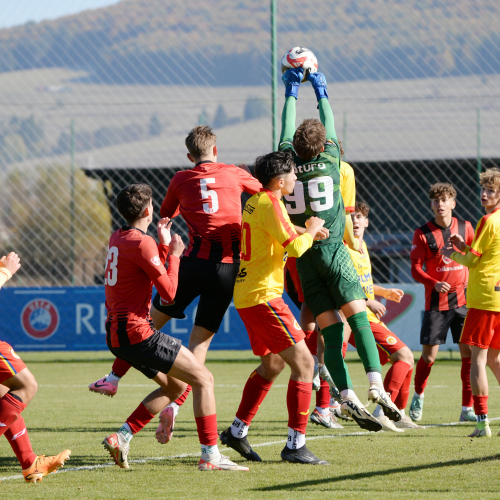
(40, 319)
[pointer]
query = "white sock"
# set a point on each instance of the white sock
(323, 411)
(420, 396)
(402, 412)
(378, 412)
(466, 408)
(334, 403)
(126, 432)
(374, 378)
(113, 377)
(348, 393)
(175, 407)
(482, 418)
(238, 428)
(208, 452)
(295, 439)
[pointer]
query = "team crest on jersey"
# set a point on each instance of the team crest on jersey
(391, 340)
(156, 260)
(413, 247)
(296, 324)
(14, 354)
(40, 319)
(446, 260)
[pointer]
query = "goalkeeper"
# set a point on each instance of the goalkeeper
(327, 274)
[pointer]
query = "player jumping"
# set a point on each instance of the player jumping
(445, 285)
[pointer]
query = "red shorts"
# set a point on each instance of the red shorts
(271, 327)
(387, 342)
(482, 329)
(10, 363)
(291, 267)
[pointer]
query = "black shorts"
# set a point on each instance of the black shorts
(213, 282)
(436, 324)
(155, 354)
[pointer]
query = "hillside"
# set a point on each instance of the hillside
(226, 42)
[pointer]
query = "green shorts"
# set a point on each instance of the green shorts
(328, 277)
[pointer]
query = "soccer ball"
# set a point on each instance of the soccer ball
(300, 56)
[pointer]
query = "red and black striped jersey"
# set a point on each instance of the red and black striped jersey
(208, 197)
(427, 241)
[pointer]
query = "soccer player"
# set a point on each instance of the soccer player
(391, 349)
(134, 264)
(326, 271)
(17, 388)
(208, 197)
(481, 329)
(268, 237)
(445, 285)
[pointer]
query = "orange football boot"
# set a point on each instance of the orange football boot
(45, 465)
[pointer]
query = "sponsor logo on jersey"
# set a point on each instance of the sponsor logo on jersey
(391, 340)
(40, 319)
(413, 247)
(296, 325)
(14, 354)
(444, 268)
(156, 260)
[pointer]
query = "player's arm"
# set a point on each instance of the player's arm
(418, 255)
(318, 82)
(9, 264)
(248, 182)
(352, 242)
(170, 205)
(394, 294)
(291, 78)
(322, 234)
(376, 307)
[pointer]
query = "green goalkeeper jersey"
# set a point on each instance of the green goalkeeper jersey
(317, 188)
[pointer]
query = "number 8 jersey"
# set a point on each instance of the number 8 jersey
(317, 191)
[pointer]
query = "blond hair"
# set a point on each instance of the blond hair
(490, 179)
(200, 140)
(442, 189)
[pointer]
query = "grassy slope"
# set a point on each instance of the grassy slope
(436, 462)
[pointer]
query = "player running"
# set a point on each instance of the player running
(445, 285)
(134, 264)
(268, 238)
(326, 271)
(17, 388)
(481, 329)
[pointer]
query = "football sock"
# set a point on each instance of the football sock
(378, 412)
(466, 388)
(348, 393)
(174, 407)
(334, 361)
(182, 398)
(374, 378)
(239, 429)
(209, 451)
(18, 438)
(480, 405)
(11, 407)
(139, 419)
(311, 341)
(120, 367)
(417, 395)
(323, 395)
(404, 393)
(482, 418)
(422, 375)
(255, 391)
(295, 439)
(344, 348)
(126, 432)
(207, 431)
(324, 412)
(395, 378)
(298, 401)
(365, 342)
(113, 377)
(466, 408)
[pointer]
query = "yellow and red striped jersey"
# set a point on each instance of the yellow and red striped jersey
(267, 238)
(347, 186)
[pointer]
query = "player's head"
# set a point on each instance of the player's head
(135, 202)
(309, 139)
(201, 144)
(276, 170)
(443, 198)
(490, 187)
(360, 218)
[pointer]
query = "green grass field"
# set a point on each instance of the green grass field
(439, 461)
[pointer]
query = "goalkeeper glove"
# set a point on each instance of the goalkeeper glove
(318, 82)
(292, 78)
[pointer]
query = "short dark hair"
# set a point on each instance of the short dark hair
(444, 189)
(362, 208)
(272, 165)
(133, 200)
(309, 139)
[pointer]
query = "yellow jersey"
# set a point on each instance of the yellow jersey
(483, 290)
(363, 267)
(347, 186)
(267, 238)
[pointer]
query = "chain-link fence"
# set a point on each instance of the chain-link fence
(92, 102)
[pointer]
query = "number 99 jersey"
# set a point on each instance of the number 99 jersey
(317, 191)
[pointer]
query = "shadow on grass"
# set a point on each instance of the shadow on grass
(386, 472)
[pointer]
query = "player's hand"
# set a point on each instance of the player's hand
(318, 82)
(314, 224)
(292, 78)
(376, 307)
(447, 251)
(394, 294)
(442, 287)
(458, 241)
(164, 226)
(322, 234)
(176, 246)
(11, 262)
(360, 247)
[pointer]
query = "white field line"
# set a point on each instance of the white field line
(226, 451)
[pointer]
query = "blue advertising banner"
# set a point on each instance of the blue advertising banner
(73, 318)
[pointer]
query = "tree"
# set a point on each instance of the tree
(220, 119)
(155, 127)
(256, 108)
